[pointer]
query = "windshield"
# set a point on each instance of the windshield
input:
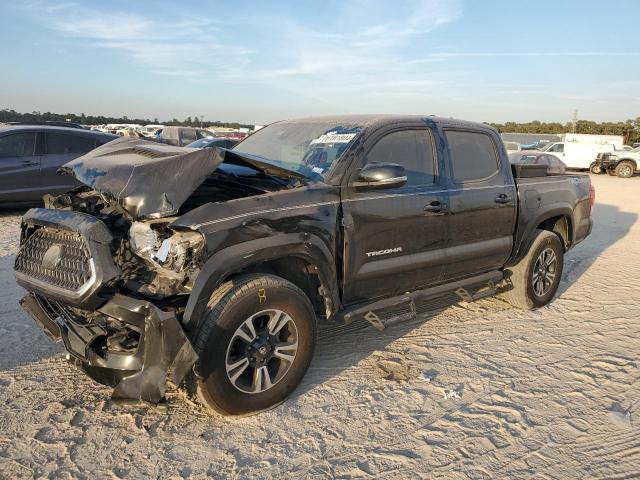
(309, 148)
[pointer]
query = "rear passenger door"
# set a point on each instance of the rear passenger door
(482, 201)
(393, 241)
(19, 168)
(60, 148)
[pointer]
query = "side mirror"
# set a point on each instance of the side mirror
(381, 175)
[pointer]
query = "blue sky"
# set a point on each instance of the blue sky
(258, 62)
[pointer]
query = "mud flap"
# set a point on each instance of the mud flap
(167, 353)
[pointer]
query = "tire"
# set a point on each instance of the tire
(625, 169)
(526, 293)
(611, 172)
(237, 376)
(595, 168)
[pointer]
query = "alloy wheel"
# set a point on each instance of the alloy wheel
(261, 351)
(544, 272)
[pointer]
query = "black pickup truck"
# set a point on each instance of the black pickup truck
(211, 267)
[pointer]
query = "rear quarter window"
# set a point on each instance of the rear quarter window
(58, 143)
(473, 156)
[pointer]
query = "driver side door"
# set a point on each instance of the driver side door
(394, 238)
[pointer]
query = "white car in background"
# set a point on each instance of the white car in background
(578, 155)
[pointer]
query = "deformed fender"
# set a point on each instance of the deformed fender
(167, 351)
(234, 258)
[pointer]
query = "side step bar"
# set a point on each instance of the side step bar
(403, 307)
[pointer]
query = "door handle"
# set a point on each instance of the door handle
(502, 198)
(29, 162)
(435, 207)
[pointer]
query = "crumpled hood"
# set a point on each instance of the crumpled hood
(148, 179)
(152, 179)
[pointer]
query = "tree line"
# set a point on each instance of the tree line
(629, 129)
(7, 115)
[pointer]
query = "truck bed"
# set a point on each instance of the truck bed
(567, 197)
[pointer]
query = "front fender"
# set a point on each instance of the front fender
(237, 257)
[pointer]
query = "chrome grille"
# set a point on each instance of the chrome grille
(70, 269)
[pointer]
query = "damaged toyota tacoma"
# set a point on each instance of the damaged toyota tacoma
(210, 268)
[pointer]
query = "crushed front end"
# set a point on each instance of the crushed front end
(85, 290)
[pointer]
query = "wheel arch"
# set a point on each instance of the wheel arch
(558, 220)
(628, 159)
(305, 262)
(561, 225)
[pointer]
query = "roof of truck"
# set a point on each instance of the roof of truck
(379, 120)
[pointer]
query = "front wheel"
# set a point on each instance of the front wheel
(595, 168)
(255, 344)
(536, 277)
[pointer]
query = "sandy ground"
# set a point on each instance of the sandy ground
(476, 391)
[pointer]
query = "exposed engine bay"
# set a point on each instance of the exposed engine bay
(158, 260)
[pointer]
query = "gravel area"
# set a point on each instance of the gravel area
(465, 391)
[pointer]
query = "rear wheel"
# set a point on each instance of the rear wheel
(536, 277)
(611, 171)
(255, 344)
(625, 169)
(595, 168)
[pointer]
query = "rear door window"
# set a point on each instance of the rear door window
(62, 143)
(473, 156)
(18, 144)
(410, 148)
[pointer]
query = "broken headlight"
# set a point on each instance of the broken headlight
(177, 250)
(173, 251)
(144, 240)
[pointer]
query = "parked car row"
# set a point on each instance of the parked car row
(31, 155)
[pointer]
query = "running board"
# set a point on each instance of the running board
(390, 311)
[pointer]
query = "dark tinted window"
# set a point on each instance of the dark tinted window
(61, 143)
(473, 155)
(17, 144)
(410, 148)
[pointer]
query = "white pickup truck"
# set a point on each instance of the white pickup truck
(623, 163)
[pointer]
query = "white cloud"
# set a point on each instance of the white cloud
(357, 41)
(187, 47)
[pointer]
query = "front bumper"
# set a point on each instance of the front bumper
(162, 349)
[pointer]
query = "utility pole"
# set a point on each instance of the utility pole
(574, 121)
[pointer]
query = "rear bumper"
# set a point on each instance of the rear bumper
(161, 348)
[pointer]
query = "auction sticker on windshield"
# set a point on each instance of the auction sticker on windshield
(333, 137)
